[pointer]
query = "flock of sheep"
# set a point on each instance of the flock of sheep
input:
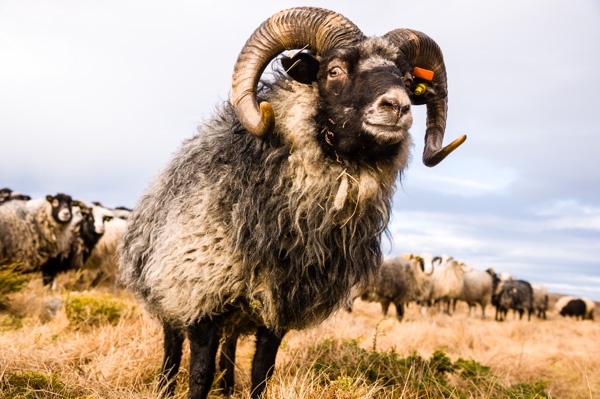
(56, 234)
(442, 281)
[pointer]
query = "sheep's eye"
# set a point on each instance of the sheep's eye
(335, 72)
(107, 218)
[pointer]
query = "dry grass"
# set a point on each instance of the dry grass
(59, 357)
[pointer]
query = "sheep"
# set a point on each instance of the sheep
(540, 300)
(400, 280)
(118, 212)
(85, 235)
(511, 294)
(575, 307)
(103, 260)
(6, 194)
(590, 308)
(34, 231)
(476, 289)
(263, 221)
(572, 306)
(446, 282)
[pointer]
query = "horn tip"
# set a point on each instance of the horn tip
(432, 159)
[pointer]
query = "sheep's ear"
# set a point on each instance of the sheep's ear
(78, 203)
(302, 67)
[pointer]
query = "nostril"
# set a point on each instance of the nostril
(389, 102)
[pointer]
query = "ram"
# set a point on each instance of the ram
(446, 282)
(264, 220)
(34, 231)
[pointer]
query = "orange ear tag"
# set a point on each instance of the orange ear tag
(422, 73)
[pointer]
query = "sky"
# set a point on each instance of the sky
(95, 96)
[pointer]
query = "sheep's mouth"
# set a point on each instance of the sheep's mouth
(385, 133)
(64, 217)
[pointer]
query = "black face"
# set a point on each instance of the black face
(364, 110)
(61, 207)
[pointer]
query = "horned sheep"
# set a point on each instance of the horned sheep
(446, 282)
(263, 221)
(33, 231)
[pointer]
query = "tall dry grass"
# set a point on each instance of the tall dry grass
(120, 358)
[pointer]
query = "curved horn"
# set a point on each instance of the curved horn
(423, 52)
(315, 28)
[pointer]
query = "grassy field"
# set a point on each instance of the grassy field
(101, 345)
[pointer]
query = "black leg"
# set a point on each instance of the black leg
(385, 305)
(173, 342)
(399, 310)
(267, 345)
(204, 342)
(227, 363)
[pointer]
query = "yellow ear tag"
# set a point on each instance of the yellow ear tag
(420, 89)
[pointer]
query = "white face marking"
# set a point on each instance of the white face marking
(64, 215)
(389, 117)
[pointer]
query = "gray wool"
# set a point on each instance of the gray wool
(400, 280)
(268, 231)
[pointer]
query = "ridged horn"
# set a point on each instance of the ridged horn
(422, 51)
(314, 28)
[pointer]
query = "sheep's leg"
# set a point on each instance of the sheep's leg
(204, 343)
(173, 342)
(385, 305)
(227, 363)
(399, 310)
(267, 345)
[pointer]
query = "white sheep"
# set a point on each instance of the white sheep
(446, 282)
(476, 289)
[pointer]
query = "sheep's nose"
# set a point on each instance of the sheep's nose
(390, 104)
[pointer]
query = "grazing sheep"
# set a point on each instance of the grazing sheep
(446, 282)
(34, 231)
(476, 289)
(400, 280)
(264, 221)
(540, 300)
(85, 235)
(574, 308)
(511, 294)
(571, 306)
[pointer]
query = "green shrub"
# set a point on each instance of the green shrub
(95, 309)
(33, 385)
(11, 280)
(340, 362)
